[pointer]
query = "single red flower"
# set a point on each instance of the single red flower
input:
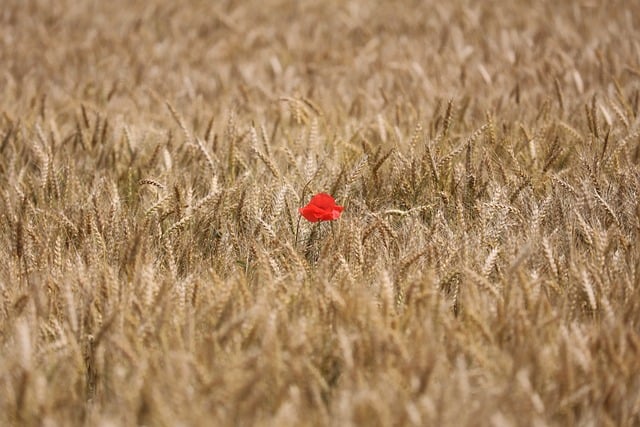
(321, 207)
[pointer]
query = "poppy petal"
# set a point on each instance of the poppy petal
(311, 213)
(321, 207)
(323, 201)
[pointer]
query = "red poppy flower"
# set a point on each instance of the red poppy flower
(321, 207)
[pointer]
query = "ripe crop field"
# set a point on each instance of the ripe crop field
(480, 266)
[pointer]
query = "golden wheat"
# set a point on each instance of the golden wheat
(156, 271)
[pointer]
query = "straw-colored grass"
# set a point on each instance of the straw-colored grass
(155, 269)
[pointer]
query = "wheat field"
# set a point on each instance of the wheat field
(155, 268)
